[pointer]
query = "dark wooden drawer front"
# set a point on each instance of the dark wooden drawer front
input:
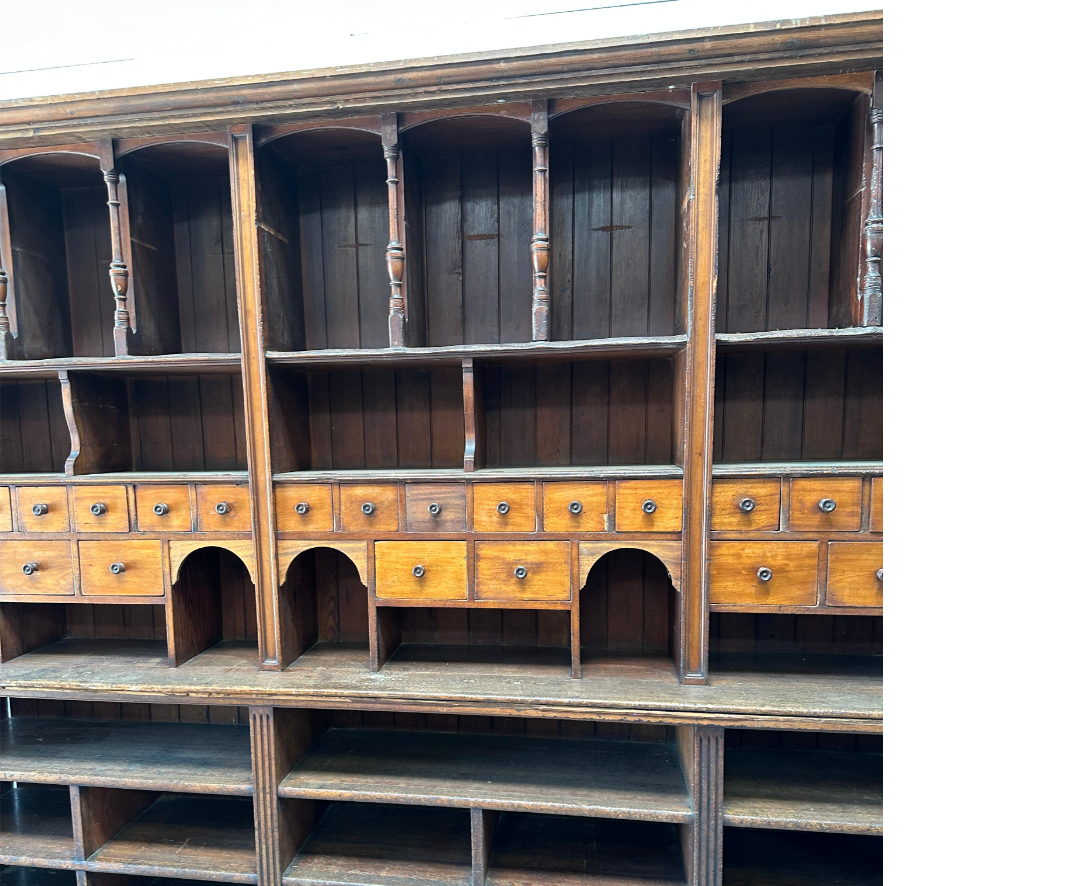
(436, 507)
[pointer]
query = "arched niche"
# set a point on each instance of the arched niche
(324, 596)
(356, 551)
(180, 549)
(668, 552)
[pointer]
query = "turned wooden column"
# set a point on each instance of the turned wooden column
(539, 245)
(5, 323)
(118, 269)
(396, 252)
(872, 284)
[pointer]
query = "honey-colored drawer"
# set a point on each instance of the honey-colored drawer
(36, 567)
(121, 568)
(745, 505)
(649, 506)
(830, 504)
(101, 508)
(855, 573)
(42, 508)
(223, 507)
(504, 507)
(531, 570)
(876, 521)
(5, 509)
(303, 507)
(576, 507)
(163, 509)
(369, 508)
(421, 570)
(768, 573)
(435, 507)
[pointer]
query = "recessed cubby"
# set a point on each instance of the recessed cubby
(54, 226)
(809, 643)
(760, 857)
(26, 627)
(21, 875)
(183, 290)
(34, 437)
(323, 599)
(35, 825)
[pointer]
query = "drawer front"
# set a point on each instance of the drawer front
(421, 570)
(121, 568)
(101, 508)
(5, 509)
(530, 570)
(36, 567)
(768, 573)
(576, 507)
(223, 507)
(504, 507)
(876, 521)
(42, 508)
(745, 506)
(825, 504)
(649, 506)
(163, 509)
(303, 507)
(854, 573)
(369, 508)
(435, 507)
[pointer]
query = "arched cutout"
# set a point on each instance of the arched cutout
(617, 119)
(180, 549)
(356, 551)
(323, 599)
(668, 552)
(676, 98)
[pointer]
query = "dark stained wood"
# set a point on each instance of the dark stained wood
(34, 435)
(758, 858)
(98, 814)
(35, 827)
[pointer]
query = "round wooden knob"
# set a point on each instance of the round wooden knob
(575, 507)
(98, 508)
(161, 509)
(418, 571)
(826, 505)
(40, 510)
(879, 574)
(368, 509)
(520, 572)
(302, 508)
(649, 506)
(116, 568)
(30, 568)
(222, 507)
(434, 509)
(764, 573)
(747, 505)
(503, 508)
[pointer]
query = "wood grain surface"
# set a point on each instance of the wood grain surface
(851, 573)
(384, 501)
(736, 574)
(443, 564)
(178, 517)
(142, 569)
(726, 513)
(546, 565)
(593, 516)
(114, 500)
(51, 563)
(521, 513)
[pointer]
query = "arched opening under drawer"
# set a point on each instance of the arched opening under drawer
(212, 601)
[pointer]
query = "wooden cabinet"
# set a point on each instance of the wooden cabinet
(825, 505)
(649, 506)
(223, 508)
(745, 505)
(504, 507)
(304, 508)
(369, 508)
(576, 507)
(435, 507)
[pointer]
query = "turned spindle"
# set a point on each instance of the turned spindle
(872, 292)
(396, 253)
(539, 244)
(118, 269)
(5, 323)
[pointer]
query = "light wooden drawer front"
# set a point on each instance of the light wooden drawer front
(504, 507)
(5, 509)
(101, 508)
(36, 567)
(421, 570)
(163, 509)
(121, 568)
(435, 507)
(531, 570)
(745, 505)
(854, 573)
(649, 506)
(768, 573)
(303, 507)
(876, 522)
(369, 508)
(42, 508)
(223, 508)
(576, 507)
(825, 504)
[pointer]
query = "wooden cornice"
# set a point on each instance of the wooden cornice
(802, 47)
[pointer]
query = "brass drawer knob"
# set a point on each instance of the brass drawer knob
(747, 505)
(368, 509)
(649, 506)
(879, 574)
(826, 505)
(40, 510)
(161, 509)
(302, 508)
(520, 572)
(30, 568)
(764, 573)
(116, 568)
(98, 508)
(575, 507)
(418, 571)
(222, 508)
(434, 509)
(503, 508)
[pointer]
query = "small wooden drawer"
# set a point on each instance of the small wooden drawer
(421, 570)
(875, 524)
(36, 567)
(435, 507)
(745, 506)
(530, 570)
(101, 508)
(42, 508)
(369, 508)
(303, 507)
(5, 509)
(767, 573)
(819, 504)
(649, 506)
(223, 508)
(121, 568)
(576, 507)
(163, 509)
(855, 573)
(504, 507)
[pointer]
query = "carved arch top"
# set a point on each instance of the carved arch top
(180, 549)
(356, 551)
(668, 552)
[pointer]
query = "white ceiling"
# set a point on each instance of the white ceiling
(56, 47)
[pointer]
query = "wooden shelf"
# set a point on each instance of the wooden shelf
(161, 364)
(35, 827)
(105, 753)
(129, 477)
(12, 875)
(563, 472)
(798, 469)
(374, 845)
(561, 851)
(792, 339)
(804, 790)
(769, 858)
(591, 778)
(210, 838)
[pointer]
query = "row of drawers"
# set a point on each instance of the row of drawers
(106, 568)
(816, 504)
(217, 507)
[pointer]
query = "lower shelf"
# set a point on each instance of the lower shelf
(22, 876)
(35, 827)
(774, 858)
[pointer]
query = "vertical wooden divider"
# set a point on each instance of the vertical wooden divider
(539, 245)
(396, 252)
(705, 134)
(118, 269)
(482, 830)
(99, 814)
(254, 376)
(702, 757)
(96, 412)
(473, 405)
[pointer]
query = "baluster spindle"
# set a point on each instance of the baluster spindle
(5, 323)
(539, 245)
(872, 294)
(118, 269)
(396, 253)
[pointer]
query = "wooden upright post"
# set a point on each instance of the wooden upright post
(871, 295)
(118, 269)
(396, 252)
(539, 245)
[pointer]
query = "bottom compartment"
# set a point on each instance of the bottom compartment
(35, 826)
(779, 858)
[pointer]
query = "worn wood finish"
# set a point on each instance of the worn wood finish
(163, 508)
(504, 507)
(435, 507)
(413, 570)
(5, 509)
(303, 508)
(745, 505)
(35, 827)
(825, 505)
(42, 508)
(223, 508)
(855, 573)
(100, 508)
(128, 568)
(368, 508)
(34, 435)
(773, 573)
(36, 567)
(875, 521)
(576, 507)
(648, 506)
(522, 571)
